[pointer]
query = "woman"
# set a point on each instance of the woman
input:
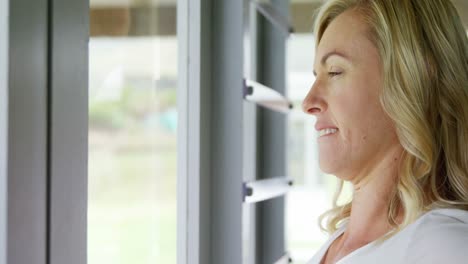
(391, 102)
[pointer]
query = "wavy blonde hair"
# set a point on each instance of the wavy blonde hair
(424, 53)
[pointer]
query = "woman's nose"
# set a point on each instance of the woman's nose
(313, 103)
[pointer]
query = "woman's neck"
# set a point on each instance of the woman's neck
(369, 212)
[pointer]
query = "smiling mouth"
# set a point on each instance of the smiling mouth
(327, 131)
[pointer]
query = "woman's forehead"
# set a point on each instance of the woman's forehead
(347, 34)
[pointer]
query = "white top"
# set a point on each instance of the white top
(437, 237)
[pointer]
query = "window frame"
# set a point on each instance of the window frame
(4, 38)
(27, 234)
(68, 131)
(210, 129)
(44, 163)
(272, 137)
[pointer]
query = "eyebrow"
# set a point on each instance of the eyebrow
(328, 55)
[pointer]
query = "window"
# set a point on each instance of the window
(132, 132)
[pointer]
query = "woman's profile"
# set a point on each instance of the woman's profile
(391, 103)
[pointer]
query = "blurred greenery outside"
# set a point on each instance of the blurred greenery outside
(133, 111)
(132, 178)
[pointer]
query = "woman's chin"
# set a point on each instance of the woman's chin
(332, 169)
(327, 166)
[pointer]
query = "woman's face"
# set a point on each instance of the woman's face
(354, 131)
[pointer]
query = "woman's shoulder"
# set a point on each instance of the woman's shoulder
(458, 215)
(445, 219)
(439, 235)
(441, 223)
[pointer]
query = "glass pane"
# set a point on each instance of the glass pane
(132, 132)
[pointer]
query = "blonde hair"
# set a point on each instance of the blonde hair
(424, 52)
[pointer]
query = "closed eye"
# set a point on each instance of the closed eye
(333, 74)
